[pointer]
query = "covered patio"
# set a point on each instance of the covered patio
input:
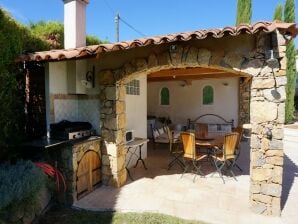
(252, 54)
(208, 199)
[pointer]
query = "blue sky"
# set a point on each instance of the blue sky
(153, 17)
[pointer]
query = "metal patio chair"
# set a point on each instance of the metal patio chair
(239, 130)
(176, 152)
(191, 156)
(225, 157)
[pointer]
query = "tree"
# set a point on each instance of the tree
(243, 12)
(278, 13)
(53, 33)
(289, 17)
(14, 40)
(93, 40)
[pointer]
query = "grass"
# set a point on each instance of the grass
(58, 215)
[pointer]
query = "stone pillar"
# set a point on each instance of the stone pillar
(267, 119)
(244, 100)
(112, 130)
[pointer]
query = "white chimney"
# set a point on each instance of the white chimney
(75, 23)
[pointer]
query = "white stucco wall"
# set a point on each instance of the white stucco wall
(71, 109)
(186, 100)
(74, 24)
(136, 115)
(58, 78)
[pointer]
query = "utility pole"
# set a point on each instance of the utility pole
(117, 26)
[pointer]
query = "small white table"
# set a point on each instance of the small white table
(132, 147)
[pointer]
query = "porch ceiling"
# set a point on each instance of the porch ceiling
(189, 74)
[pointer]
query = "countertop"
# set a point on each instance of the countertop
(47, 143)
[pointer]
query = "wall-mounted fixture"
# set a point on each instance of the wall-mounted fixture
(173, 48)
(271, 59)
(272, 62)
(288, 36)
(225, 83)
(89, 81)
(269, 134)
(247, 130)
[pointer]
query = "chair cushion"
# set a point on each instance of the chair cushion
(155, 133)
(161, 131)
(176, 134)
(163, 135)
(163, 138)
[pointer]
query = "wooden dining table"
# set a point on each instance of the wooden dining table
(210, 141)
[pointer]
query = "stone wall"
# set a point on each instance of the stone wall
(244, 101)
(68, 158)
(267, 118)
(262, 96)
(113, 129)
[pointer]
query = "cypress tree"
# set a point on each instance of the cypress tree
(243, 11)
(289, 17)
(278, 13)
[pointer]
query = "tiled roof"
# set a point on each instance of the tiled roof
(92, 51)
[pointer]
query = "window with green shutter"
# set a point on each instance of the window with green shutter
(208, 95)
(164, 96)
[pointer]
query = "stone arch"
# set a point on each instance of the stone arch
(255, 93)
(184, 57)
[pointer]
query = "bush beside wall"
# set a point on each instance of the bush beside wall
(14, 40)
(23, 192)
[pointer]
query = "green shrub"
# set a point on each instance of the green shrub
(14, 40)
(20, 184)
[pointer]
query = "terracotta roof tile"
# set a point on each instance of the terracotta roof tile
(92, 51)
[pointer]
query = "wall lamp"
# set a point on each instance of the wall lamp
(173, 48)
(89, 81)
(288, 36)
(272, 61)
(269, 134)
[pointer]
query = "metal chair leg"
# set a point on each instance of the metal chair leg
(185, 169)
(176, 160)
(239, 168)
(219, 168)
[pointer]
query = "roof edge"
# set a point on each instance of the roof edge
(93, 50)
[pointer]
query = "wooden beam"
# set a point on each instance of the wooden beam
(185, 71)
(192, 77)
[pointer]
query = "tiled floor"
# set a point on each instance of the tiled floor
(207, 199)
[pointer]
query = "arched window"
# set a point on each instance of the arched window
(208, 95)
(164, 96)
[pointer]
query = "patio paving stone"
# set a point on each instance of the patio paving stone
(207, 199)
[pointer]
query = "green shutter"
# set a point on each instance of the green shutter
(165, 96)
(207, 95)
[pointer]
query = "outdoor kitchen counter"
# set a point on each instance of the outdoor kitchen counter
(47, 143)
(84, 140)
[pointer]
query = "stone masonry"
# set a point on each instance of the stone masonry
(68, 158)
(267, 114)
(262, 102)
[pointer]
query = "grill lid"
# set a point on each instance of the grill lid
(68, 126)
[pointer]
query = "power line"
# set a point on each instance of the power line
(130, 26)
(109, 7)
(121, 19)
